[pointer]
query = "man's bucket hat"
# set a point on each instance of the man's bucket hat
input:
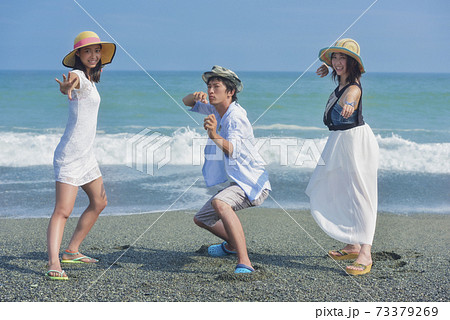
(347, 46)
(218, 71)
(88, 38)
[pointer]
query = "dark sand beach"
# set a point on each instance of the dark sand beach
(168, 262)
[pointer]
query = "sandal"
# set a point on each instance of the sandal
(77, 260)
(343, 255)
(365, 269)
(219, 250)
(242, 268)
(62, 275)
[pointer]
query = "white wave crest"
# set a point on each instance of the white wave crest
(400, 154)
(281, 126)
(185, 147)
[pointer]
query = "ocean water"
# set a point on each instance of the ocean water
(149, 146)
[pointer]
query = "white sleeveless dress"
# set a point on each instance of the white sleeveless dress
(74, 160)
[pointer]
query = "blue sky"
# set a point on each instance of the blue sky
(250, 35)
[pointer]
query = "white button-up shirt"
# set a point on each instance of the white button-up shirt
(245, 166)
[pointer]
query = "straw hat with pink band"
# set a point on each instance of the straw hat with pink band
(88, 38)
(347, 46)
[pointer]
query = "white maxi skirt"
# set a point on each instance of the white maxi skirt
(343, 192)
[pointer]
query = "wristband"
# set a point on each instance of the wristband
(352, 104)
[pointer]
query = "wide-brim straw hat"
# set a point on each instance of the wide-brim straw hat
(88, 38)
(346, 46)
(218, 71)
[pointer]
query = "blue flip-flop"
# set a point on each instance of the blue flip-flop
(242, 268)
(219, 250)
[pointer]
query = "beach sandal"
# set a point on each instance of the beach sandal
(242, 268)
(344, 255)
(77, 260)
(60, 277)
(219, 250)
(365, 269)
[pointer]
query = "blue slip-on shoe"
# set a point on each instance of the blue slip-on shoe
(242, 268)
(219, 250)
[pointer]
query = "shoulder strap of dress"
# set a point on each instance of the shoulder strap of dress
(357, 84)
(338, 92)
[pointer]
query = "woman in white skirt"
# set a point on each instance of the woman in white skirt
(74, 159)
(343, 191)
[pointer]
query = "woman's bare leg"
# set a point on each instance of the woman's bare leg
(65, 200)
(95, 191)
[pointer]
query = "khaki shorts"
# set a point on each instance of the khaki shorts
(232, 195)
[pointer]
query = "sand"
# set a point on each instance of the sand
(162, 257)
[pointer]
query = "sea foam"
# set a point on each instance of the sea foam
(185, 147)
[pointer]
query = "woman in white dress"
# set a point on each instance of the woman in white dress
(343, 192)
(74, 159)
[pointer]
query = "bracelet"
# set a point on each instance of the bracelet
(352, 104)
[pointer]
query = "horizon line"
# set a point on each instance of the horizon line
(237, 70)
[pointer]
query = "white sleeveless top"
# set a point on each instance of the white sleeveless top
(74, 159)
